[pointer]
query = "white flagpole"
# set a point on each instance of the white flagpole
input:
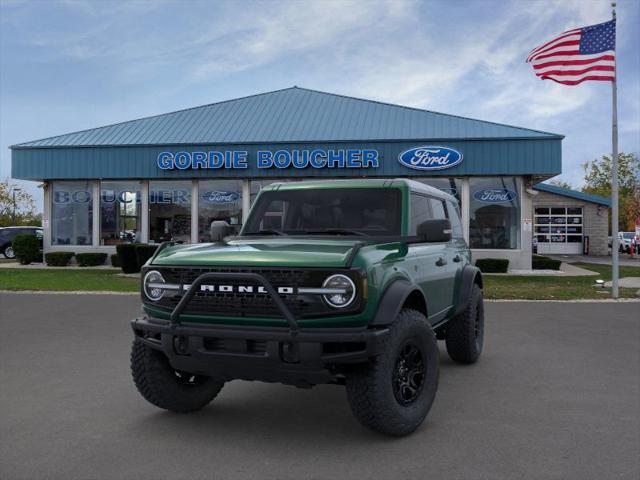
(614, 177)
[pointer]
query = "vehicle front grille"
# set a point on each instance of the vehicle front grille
(217, 304)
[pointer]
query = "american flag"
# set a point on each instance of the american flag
(587, 53)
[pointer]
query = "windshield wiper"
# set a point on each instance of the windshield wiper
(266, 232)
(336, 231)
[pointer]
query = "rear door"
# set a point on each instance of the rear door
(449, 255)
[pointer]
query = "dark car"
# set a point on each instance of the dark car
(7, 234)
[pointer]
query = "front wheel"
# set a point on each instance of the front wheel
(165, 387)
(394, 393)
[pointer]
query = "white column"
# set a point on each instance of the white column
(46, 216)
(95, 228)
(526, 237)
(194, 211)
(246, 199)
(464, 207)
(144, 211)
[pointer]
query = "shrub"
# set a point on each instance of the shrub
(144, 253)
(58, 259)
(127, 256)
(27, 248)
(545, 263)
(492, 265)
(90, 259)
(115, 260)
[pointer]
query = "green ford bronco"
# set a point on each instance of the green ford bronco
(349, 282)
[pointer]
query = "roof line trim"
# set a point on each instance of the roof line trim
(565, 192)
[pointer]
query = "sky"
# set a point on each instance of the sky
(72, 65)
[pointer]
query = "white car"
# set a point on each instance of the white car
(625, 239)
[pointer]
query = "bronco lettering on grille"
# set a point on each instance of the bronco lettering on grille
(243, 289)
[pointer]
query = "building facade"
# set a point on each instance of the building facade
(169, 176)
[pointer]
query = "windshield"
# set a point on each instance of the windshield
(334, 211)
(628, 234)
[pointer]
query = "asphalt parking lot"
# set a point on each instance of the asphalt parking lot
(555, 395)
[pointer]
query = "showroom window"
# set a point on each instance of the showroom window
(119, 212)
(218, 200)
(452, 186)
(494, 213)
(170, 211)
(71, 213)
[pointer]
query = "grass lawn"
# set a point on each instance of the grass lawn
(556, 288)
(66, 280)
(496, 287)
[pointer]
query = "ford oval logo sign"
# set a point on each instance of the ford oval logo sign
(495, 195)
(220, 197)
(430, 158)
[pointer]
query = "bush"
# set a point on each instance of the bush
(115, 261)
(144, 253)
(545, 263)
(58, 259)
(90, 259)
(127, 256)
(492, 265)
(27, 248)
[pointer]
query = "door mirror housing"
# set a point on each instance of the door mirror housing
(434, 231)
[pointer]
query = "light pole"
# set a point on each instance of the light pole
(14, 203)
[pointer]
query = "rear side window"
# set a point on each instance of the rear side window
(420, 211)
(454, 218)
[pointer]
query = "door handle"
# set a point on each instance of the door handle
(457, 258)
(441, 262)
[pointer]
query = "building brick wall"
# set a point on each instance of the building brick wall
(595, 219)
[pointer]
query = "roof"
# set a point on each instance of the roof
(289, 116)
(565, 192)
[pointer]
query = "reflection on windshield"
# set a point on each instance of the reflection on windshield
(334, 211)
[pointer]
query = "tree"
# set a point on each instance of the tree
(597, 179)
(558, 182)
(25, 207)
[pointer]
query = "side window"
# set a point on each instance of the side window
(437, 206)
(420, 211)
(456, 222)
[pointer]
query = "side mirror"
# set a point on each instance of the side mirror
(436, 230)
(219, 230)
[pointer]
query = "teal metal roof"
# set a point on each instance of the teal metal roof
(289, 116)
(565, 192)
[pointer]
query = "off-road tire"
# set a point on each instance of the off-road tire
(464, 335)
(371, 388)
(8, 252)
(164, 387)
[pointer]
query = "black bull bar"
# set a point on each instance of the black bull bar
(255, 277)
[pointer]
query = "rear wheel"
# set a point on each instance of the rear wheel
(465, 333)
(394, 393)
(165, 387)
(8, 252)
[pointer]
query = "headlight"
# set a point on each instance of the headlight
(153, 285)
(344, 291)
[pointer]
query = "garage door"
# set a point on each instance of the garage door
(558, 229)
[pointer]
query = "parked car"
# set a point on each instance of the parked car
(7, 234)
(625, 239)
(347, 282)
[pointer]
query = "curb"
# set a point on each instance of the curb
(62, 292)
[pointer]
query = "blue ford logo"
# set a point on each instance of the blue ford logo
(216, 196)
(495, 195)
(430, 158)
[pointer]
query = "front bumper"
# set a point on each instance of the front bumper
(303, 358)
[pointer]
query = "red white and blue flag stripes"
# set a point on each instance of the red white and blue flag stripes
(578, 55)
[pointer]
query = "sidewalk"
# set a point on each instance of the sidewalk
(566, 270)
(44, 266)
(624, 259)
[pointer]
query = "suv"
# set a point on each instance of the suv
(7, 234)
(349, 282)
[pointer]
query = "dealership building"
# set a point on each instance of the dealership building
(169, 176)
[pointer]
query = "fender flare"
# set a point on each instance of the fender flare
(469, 276)
(392, 301)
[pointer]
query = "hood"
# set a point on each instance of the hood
(262, 252)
